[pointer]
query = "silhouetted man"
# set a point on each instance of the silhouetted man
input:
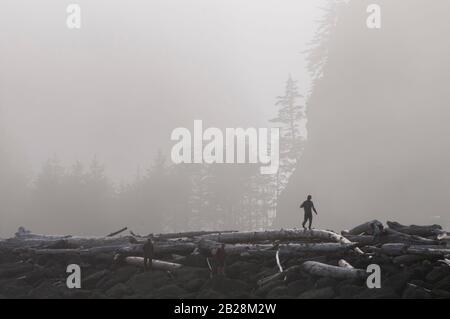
(308, 206)
(220, 258)
(148, 254)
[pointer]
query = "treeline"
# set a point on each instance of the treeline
(81, 199)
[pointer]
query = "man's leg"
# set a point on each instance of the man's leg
(304, 221)
(310, 221)
(145, 263)
(150, 263)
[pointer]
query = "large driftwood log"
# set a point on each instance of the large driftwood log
(117, 232)
(444, 237)
(407, 259)
(26, 238)
(156, 264)
(274, 235)
(390, 236)
(160, 249)
(362, 239)
(345, 264)
(191, 234)
(324, 270)
(423, 231)
(124, 250)
(395, 236)
(206, 246)
(424, 250)
(366, 228)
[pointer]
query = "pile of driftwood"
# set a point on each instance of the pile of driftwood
(314, 253)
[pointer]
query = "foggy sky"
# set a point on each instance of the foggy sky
(136, 70)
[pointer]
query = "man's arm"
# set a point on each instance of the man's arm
(303, 204)
(314, 209)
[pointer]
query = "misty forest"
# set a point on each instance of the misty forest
(376, 146)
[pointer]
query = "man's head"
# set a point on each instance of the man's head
(309, 197)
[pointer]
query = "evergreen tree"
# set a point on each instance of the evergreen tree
(291, 121)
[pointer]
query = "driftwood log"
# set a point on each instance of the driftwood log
(324, 270)
(423, 231)
(366, 228)
(206, 246)
(275, 235)
(402, 249)
(156, 264)
(117, 232)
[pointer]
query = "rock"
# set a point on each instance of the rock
(280, 292)
(415, 293)
(169, 292)
(325, 282)
(147, 282)
(421, 283)
(443, 284)
(263, 290)
(77, 294)
(397, 281)
(119, 276)
(193, 285)
(118, 291)
(45, 291)
(441, 294)
(91, 281)
(298, 287)
(349, 291)
(227, 286)
(37, 276)
(241, 270)
(377, 293)
(437, 274)
(210, 294)
(15, 270)
(186, 274)
(14, 289)
(322, 293)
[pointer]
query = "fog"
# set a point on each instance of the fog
(86, 114)
(378, 120)
(135, 70)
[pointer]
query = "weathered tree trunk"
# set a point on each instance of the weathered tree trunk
(366, 228)
(324, 270)
(117, 232)
(444, 237)
(68, 241)
(407, 259)
(395, 236)
(343, 263)
(362, 239)
(403, 249)
(191, 234)
(160, 249)
(206, 246)
(274, 235)
(424, 231)
(156, 264)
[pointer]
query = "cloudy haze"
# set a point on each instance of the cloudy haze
(137, 69)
